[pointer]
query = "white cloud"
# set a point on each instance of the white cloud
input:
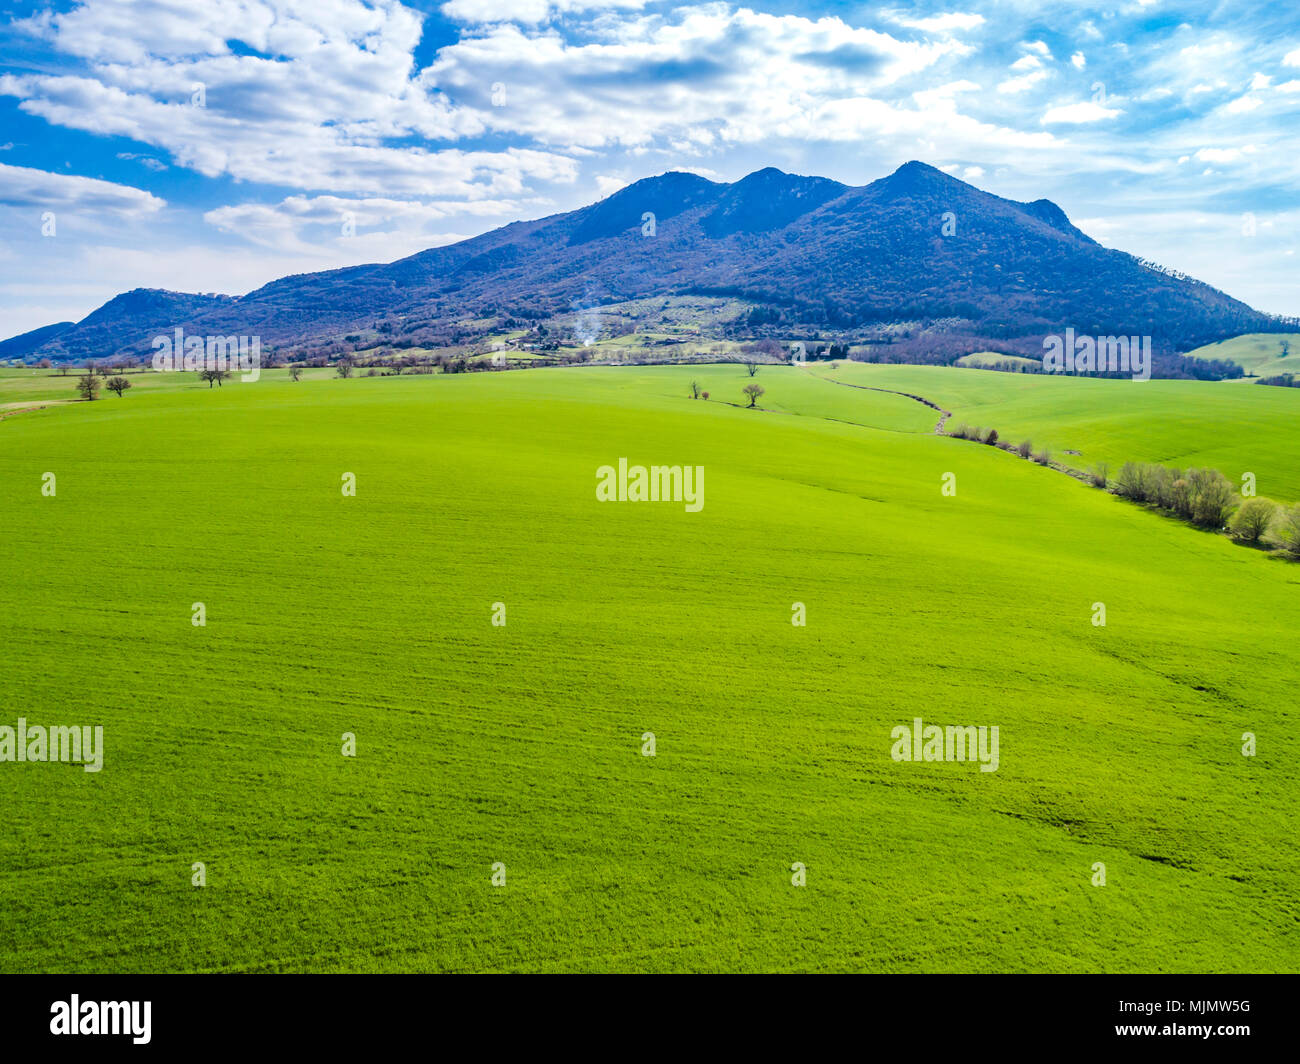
(703, 81)
(21, 186)
(531, 12)
(300, 224)
(1014, 86)
(315, 110)
(946, 23)
(1224, 155)
(1079, 60)
(1078, 114)
(144, 160)
(1242, 105)
(942, 95)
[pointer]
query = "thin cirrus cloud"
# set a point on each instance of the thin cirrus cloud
(261, 123)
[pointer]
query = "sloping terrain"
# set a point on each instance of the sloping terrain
(522, 745)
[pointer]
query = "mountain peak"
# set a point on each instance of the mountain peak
(665, 196)
(766, 200)
(918, 176)
(1048, 212)
(767, 173)
(916, 168)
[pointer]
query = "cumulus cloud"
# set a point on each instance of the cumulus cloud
(317, 102)
(702, 79)
(21, 186)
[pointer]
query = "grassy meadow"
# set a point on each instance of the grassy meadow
(1259, 354)
(521, 745)
(1225, 425)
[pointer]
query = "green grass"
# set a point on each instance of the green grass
(1257, 353)
(1218, 424)
(521, 744)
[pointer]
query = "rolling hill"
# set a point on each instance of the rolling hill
(918, 245)
(522, 745)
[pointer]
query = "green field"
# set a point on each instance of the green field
(1259, 354)
(522, 744)
(1217, 424)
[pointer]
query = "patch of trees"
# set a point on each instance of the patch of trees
(1008, 365)
(1282, 380)
(1202, 496)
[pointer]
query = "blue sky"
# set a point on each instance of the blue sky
(215, 146)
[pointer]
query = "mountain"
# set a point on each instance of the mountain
(916, 246)
(127, 323)
(24, 343)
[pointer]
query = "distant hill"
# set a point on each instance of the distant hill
(22, 345)
(807, 252)
(1259, 354)
(994, 360)
(128, 323)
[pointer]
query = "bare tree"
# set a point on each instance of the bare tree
(295, 371)
(344, 368)
(88, 387)
(753, 391)
(118, 384)
(751, 367)
(214, 375)
(695, 389)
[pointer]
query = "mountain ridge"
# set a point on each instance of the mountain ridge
(915, 245)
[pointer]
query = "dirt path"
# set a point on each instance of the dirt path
(944, 414)
(10, 409)
(1069, 471)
